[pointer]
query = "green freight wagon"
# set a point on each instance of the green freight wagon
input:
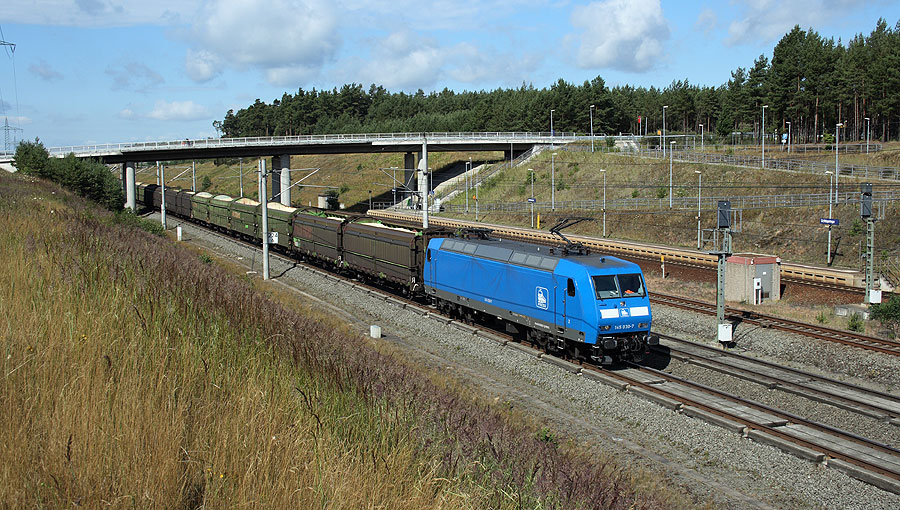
(200, 206)
(220, 211)
(280, 221)
(245, 218)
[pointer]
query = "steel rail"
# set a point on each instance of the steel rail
(776, 382)
(768, 321)
(771, 430)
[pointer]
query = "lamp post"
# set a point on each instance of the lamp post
(664, 130)
(553, 182)
(604, 201)
(394, 184)
(241, 177)
(762, 131)
(671, 150)
(699, 191)
(592, 128)
(551, 129)
(468, 164)
(471, 181)
(701, 138)
(532, 196)
(830, 176)
(867, 135)
(789, 136)
(474, 185)
(837, 140)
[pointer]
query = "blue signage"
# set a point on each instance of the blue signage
(531, 200)
(829, 221)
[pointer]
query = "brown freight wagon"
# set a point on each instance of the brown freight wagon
(384, 252)
(318, 235)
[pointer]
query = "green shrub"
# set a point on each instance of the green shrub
(88, 178)
(32, 158)
(888, 314)
(662, 192)
(856, 323)
(545, 435)
(821, 318)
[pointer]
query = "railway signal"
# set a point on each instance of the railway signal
(723, 223)
(865, 212)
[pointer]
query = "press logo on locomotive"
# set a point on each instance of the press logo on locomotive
(541, 298)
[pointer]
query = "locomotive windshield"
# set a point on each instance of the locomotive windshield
(616, 286)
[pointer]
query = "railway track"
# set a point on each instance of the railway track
(768, 321)
(861, 458)
(857, 456)
(857, 399)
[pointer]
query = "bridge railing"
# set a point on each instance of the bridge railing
(495, 136)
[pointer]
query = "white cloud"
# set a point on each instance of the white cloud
(407, 60)
(627, 35)
(44, 71)
(404, 60)
(97, 13)
(765, 21)
(178, 110)
(133, 75)
(202, 65)
(126, 113)
(283, 38)
(706, 21)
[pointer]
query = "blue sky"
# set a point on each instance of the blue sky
(106, 71)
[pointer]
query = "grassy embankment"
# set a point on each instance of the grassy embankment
(792, 233)
(136, 374)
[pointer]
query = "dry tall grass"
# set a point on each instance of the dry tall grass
(136, 375)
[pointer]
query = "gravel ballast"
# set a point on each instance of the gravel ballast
(706, 461)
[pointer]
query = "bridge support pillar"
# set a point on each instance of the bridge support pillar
(128, 183)
(410, 166)
(282, 167)
(275, 172)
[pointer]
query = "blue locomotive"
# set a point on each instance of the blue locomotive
(560, 298)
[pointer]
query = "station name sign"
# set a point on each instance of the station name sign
(829, 221)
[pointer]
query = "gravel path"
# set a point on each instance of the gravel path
(706, 462)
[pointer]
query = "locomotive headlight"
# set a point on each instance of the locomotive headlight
(605, 328)
(642, 325)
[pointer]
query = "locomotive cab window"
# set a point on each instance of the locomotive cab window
(428, 255)
(631, 285)
(570, 287)
(605, 286)
(615, 286)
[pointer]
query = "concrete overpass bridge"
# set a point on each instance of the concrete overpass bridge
(251, 147)
(415, 146)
